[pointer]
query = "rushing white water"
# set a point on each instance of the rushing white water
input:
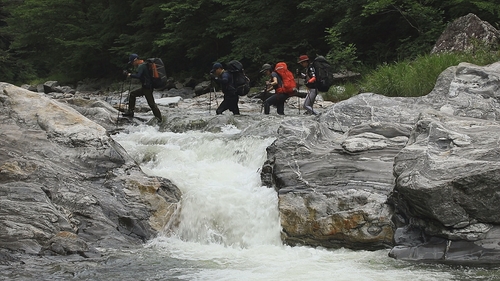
(229, 224)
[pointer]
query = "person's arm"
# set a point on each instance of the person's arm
(312, 75)
(272, 83)
(140, 72)
(225, 78)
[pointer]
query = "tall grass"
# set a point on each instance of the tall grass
(418, 77)
(409, 78)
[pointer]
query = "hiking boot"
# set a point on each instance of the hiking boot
(128, 114)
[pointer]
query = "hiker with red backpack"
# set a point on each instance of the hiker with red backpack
(283, 83)
(146, 90)
(310, 81)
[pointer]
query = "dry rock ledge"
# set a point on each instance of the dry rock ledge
(418, 176)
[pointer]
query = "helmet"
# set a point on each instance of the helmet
(265, 67)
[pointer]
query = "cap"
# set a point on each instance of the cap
(216, 65)
(303, 58)
(265, 67)
(132, 58)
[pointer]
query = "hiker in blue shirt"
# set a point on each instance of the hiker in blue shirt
(225, 80)
(146, 90)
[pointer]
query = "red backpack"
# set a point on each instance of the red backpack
(286, 75)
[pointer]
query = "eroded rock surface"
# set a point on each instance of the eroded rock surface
(66, 187)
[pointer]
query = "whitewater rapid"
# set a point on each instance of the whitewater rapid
(228, 223)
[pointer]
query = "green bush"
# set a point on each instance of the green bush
(418, 77)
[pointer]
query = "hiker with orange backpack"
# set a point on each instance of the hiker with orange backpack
(283, 83)
(146, 90)
(310, 81)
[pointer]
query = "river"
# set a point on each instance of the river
(228, 225)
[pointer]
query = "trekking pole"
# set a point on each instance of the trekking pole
(210, 102)
(215, 96)
(298, 87)
(298, 103)
(120, 103)
(264, 92)
(129, 87)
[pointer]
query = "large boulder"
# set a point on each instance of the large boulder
(447, 177)
(447, 191)
(66, 187)
(333, 186)
(335, 174)
(464, 33)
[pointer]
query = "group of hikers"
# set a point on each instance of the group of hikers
(276, 82)
(279, 78)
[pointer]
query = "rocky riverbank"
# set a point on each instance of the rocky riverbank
(418, 175)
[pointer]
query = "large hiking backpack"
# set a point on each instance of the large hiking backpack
(324, 74)
(157, 72)
(240, 81)
(289, 86)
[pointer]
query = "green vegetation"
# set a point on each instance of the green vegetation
(410, 78)
(75, 40)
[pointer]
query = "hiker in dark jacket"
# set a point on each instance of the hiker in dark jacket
(146, 90)
(310, 81)
(278, 99)
(225, 80)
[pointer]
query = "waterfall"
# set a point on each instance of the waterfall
(228, 223)
(223, 201)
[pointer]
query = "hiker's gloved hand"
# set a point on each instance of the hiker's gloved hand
(311, 81)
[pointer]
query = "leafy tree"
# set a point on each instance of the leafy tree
(5, 59)
(194, 34)
(88, 38)
(342, 57)
(419, 23)
(63, 38)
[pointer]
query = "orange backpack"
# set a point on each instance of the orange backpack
(286, 75)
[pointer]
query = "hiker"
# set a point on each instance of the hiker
(225, 81)
(278, 99)
(310, 81)
(146, 90)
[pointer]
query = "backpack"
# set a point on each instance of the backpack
(288, 86)
(157, 73)
(240, 81)
(324, 74)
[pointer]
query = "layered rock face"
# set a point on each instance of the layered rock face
(66, 187)
(417, 173)
(447, 177)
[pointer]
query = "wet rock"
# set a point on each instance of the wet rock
(446, 185)
(61, 173)
(67, 243)
(417, 175)
(335, 174)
